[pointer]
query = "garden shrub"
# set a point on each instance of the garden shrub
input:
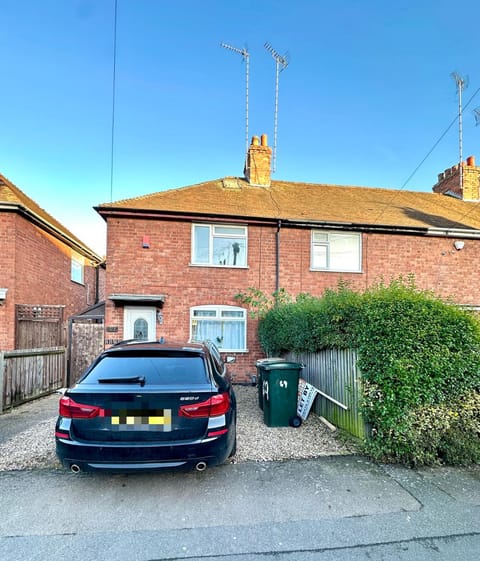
(449, 432)
(417, 355)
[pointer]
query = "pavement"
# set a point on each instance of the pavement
(339, 508)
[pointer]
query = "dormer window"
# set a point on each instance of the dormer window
(219, 245)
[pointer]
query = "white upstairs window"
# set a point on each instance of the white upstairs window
(336, 251)
(219, 245)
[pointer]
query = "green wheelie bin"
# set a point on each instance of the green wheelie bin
(280, 393)
(261, 364)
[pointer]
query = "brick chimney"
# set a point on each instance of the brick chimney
(257, 166)
(449, 181)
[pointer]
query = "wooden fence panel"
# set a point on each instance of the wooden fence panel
(335, 373)
(30, 373)
(39, 327)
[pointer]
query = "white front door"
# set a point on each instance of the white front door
(139, 323)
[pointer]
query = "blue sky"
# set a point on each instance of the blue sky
(367, 93)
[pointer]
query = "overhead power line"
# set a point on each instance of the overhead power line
(442, 136)
(438, 141)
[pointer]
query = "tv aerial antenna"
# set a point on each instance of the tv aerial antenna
(461, 83)
(281, 62)
(476, 114)
(246, 57)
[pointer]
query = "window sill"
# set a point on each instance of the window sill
(218, 266)
(335, 271)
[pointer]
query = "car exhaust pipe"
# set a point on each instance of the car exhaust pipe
(201, 466)
(75, 469)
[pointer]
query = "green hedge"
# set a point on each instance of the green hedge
(419, 357)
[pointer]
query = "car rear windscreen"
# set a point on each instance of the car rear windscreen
(155, 370)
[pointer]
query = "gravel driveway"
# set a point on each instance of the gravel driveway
(27, 442)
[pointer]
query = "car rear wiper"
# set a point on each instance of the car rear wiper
(132, 380)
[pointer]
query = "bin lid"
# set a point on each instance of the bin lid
(282, 365)
(270, 360)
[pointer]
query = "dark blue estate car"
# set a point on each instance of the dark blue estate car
(149, 406)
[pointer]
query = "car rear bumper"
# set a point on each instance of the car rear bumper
(81, 456)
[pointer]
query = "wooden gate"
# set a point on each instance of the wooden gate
(39, 326)
(86, 343)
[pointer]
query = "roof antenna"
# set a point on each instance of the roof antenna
(246, 57)
(476, 114)
(461, 84)
(281, 62)
(112, 139)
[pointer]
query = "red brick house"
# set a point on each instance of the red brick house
(177, 258)
(46, 273)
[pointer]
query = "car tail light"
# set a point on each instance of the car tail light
(214, 407)
(73, 410)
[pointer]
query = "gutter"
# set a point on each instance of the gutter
(454, 233)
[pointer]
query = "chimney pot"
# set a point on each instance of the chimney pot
(264, 140)
(471, 161)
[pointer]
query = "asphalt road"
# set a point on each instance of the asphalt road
(335, 508)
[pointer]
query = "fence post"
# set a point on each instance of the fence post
(2, 370)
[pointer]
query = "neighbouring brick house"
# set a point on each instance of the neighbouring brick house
(177, 258)
(46, 273)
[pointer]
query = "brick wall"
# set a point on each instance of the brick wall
(7, 278)
(36, 269)
(165, 268)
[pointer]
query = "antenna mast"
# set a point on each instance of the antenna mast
(246, 57)
(281, 62)
(461, 84)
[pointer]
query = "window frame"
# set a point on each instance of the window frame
(327, 245)
(218, 309)
(211, 237)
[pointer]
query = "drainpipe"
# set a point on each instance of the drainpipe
(277, 257)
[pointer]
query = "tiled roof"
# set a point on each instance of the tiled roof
(285, 200)
(12, 196)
